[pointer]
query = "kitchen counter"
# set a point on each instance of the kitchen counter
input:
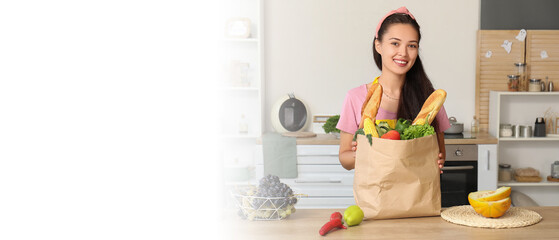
(479, 138)
(305, 223)
(329, 139)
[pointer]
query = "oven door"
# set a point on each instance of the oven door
(459, 178)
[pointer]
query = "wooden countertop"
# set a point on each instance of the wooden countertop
(329, 139)
(305, 223)
(480, 138)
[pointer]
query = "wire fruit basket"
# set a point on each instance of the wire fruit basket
(253, 207)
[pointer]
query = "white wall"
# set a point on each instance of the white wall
(319, 49)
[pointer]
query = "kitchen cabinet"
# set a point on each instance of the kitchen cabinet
(487, 167)
(242, 75)
(321, 178)
(327, 184)
(522, 108)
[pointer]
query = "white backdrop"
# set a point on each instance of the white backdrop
(319, 49)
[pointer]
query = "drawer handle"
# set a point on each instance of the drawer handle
(488, 159)
(457, 168)
(318, 181)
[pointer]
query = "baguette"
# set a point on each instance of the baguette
(430, 108)
(371, 104)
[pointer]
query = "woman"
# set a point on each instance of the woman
(404, 82)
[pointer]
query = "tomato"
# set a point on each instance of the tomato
(392, 134)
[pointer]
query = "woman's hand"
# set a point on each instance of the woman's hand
(353, 147)
(441, 161)
(347, 150)
(442, 150)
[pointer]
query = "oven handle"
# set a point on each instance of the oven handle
(456, 168)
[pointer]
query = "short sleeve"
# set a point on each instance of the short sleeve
(348, 122)
(442, 120)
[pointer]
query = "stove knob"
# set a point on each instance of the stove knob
(458, 153)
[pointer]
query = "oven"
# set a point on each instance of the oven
(459, 176)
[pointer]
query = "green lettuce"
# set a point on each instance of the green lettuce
(417, 131)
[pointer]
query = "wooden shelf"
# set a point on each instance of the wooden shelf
(506, 93)
(247, 40)
(543, 183)
(242, 88)
(523, 139)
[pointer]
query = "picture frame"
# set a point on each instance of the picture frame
(238, 28)
(239, 74)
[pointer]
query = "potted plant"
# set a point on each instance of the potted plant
(330, 125)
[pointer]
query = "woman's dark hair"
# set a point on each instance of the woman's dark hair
(417, 86)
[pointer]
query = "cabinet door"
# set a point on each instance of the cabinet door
(487, 167)
(542, 55)
(492, 69)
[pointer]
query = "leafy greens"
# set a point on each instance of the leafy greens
(417, 131)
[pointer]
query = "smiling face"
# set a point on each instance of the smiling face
(398, 48)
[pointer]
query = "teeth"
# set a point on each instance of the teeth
(400, 62)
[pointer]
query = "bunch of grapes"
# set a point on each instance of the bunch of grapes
(271, 199)
(271, 187)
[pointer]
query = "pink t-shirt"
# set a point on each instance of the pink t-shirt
(351, 112)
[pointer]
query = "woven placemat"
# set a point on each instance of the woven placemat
(513, 218)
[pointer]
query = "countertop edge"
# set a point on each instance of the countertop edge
(329, 139)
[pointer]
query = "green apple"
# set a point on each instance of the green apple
(353, 215)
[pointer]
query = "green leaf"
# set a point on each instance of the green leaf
(330, 124)
(370, 137)
(402, 124)
(359, 131)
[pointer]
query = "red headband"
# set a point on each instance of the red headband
(403, 10)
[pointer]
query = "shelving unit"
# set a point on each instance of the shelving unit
(522, 108)
(241, 88)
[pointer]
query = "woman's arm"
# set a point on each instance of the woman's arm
(347, 150)
(442, 150)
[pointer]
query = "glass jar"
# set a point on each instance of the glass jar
(522, 78)
(513, 83)
(555, 169)
(505, 130)
(535, 85)
(505, 173)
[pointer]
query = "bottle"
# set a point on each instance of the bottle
(243, 125)
(539, 127)
(555, 169)
(474, 126)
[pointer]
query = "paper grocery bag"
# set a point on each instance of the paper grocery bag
(397, 178)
